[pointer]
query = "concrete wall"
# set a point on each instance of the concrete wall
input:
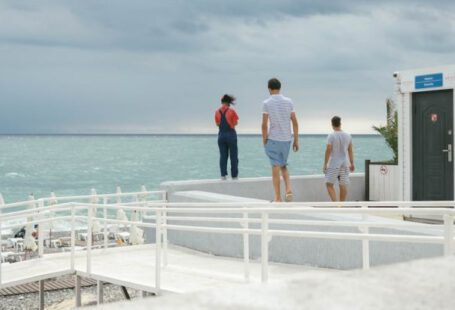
(339, 254)
(306, 188)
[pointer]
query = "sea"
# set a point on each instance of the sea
(74, 164)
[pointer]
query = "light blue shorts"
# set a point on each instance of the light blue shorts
(278, 152)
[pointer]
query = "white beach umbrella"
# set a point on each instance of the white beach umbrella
(52, 202)
(32, 203)
(136, 234)
(29, 240)
(143, 196)
(119, 191)
(96, 226)
(121, 215)
(2, 202)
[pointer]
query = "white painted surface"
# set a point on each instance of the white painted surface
(405, 88)
(339, 254)
(384, 183)
(424, 284)
(306, 188)
(134, 267)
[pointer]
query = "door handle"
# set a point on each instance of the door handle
(449, 152)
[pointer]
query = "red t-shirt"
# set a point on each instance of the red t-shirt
(231, 116)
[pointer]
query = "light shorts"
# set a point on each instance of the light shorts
(340, 175)
(278, 152)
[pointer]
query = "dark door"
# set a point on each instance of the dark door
(432, 145)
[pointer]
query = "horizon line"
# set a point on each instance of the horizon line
(162, 134)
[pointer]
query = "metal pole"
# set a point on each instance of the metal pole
(89, 240)
(41, 294)
(73, 236)
(78, 292)
(158, 252)
(365, 243)
(2, 202)
(165, 241)
(40, 231)
(105, 223)
(99, 292)
(1, 257)
(246, 248)
(264, 247)
(448, 235)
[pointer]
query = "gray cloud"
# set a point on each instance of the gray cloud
(159, 66)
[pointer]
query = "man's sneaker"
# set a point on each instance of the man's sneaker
(235, 179)
(223, 178)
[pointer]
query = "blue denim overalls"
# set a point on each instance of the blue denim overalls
(227, 143)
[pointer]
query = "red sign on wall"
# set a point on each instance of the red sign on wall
(434, 117)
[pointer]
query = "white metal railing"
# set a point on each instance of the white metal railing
(255, 218)
(37, 212)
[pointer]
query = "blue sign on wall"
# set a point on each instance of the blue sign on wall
(428, 81)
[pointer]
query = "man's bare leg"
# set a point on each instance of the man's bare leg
(331, 191)
(276, 182)
(343, 192)
(287, 180)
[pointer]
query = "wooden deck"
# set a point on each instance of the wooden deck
(65, 282)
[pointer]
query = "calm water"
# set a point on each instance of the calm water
(71, 165)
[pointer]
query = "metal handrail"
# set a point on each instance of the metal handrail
(79, 197)
(163, 214)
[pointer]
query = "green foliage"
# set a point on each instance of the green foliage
(390, 131)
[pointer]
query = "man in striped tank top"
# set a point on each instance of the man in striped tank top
(278, 110)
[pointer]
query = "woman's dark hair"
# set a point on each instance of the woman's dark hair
(336, 121)
(228, 99)
(274, 84)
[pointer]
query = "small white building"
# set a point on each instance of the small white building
(425, 100)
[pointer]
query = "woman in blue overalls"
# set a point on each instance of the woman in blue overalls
(226, 119)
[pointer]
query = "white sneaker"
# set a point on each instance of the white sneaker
(235, 179)
(223, 178)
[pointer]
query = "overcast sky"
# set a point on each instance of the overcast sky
(145, 66)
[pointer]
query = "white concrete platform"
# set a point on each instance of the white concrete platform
(134, 267)
(422, 284)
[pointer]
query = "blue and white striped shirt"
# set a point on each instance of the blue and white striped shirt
(279, 109)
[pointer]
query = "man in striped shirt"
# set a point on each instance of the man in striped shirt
(338, 160)
(278, 110)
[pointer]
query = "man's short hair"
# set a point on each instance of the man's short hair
(336, 121)
(274, 84)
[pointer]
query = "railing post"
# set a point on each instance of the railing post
(365, 242)
(73, 236)
(246, 247)
(264, 247)
(51, 203)
(143, 198)
(165, 241)
(106, 235)
(40, 230)
(89, 240)
(158, 252)
(448, 235)
(2, 202)
(1, 257)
